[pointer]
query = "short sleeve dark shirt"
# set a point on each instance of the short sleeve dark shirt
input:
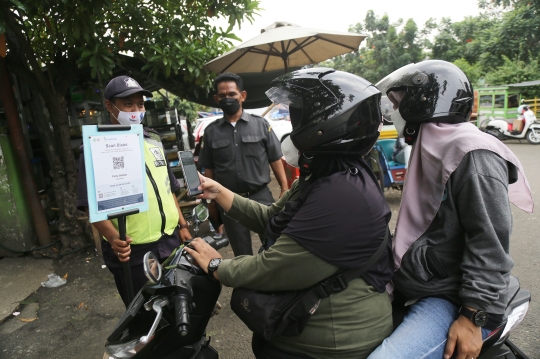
(82, 195)
(240, 155)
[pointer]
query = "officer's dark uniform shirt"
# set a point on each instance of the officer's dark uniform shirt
(240, 155)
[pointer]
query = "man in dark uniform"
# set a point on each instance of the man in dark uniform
(236, 151)
(161, 227)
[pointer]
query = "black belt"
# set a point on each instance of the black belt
(250, 193)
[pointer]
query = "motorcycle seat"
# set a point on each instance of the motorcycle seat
(513, 287)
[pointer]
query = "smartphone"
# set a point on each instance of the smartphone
(191, 176)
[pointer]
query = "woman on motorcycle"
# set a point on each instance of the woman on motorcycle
(452, 239)
(334, 217)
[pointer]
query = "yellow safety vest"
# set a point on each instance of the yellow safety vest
(162, 215)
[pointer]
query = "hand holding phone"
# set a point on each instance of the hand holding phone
(191, 176)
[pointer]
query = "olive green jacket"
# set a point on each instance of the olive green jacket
(349, 324)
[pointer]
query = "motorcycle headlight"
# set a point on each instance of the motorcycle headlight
(124, 350)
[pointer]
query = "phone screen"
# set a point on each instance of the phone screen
(190, 172)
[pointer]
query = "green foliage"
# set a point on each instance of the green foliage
(514, 36)
(473, 71)
(515, 71)
(462, 39)
(508, 4)
(170, 36)
(185, 108)
(499, 46)
(388, 47)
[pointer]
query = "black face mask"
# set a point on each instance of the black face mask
(230, 106)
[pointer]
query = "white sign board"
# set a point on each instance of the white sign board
(115, 171)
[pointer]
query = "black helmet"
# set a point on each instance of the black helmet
(331, 111)
(433, 89)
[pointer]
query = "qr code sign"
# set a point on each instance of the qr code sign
(118, 163)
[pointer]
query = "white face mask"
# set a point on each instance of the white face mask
(399, 122)
(129, 118)
(290, 152)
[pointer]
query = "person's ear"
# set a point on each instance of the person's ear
(109, 106)
(243, 96)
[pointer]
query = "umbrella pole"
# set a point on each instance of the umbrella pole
(268, 109)
(285, 65)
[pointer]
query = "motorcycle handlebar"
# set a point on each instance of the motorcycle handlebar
(216, 244)
(181, 307)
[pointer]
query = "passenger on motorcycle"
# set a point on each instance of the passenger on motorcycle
(451, 246)
(528, 116)
(340, 223)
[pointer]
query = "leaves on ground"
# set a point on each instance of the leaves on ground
(27, 320)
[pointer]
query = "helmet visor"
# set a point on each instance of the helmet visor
(284, 96)
(407, 76)
(312, 101)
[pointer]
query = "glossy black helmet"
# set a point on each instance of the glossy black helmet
(435, 91)
(331, 111)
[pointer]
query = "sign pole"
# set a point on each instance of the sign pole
(121, 217)
(127, 269)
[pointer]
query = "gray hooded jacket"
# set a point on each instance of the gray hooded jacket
(464, 254)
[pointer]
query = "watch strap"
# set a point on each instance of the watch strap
(212, 269)
(467, 313)
(473, 316)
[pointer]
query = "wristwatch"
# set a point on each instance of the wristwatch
(478, 317)
(213, 266)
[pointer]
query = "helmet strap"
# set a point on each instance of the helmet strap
(305, 162)
(410, 132)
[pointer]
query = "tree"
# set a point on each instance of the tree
(184, 107)
(388, 47)
(515, 36)
(49, 41)
(515, 71)
(472, 71)
(506, 28)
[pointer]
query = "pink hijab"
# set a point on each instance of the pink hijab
(438, 151)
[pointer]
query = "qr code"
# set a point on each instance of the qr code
(118, 163)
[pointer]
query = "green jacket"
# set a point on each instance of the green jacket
(350, 324)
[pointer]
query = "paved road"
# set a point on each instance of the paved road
(525, 250)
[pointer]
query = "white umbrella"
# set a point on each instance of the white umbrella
(283, 46)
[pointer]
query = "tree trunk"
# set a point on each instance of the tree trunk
(64, 171)
(23, 61)
(64, 176)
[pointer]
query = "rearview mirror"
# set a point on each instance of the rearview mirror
(200, 213)
(152, 268)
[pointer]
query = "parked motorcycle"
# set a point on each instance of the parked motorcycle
(501, 130)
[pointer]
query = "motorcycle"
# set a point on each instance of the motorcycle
(168, 317)
(501, 130)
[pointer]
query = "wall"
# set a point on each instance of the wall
(16, 229)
